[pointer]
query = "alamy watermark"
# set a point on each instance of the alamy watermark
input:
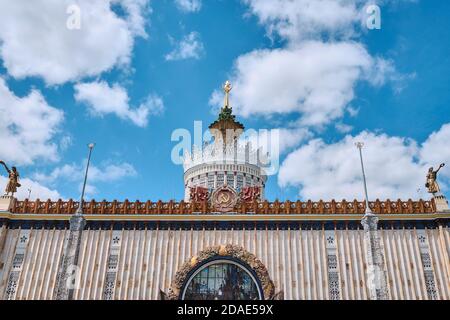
(258, 147)
(74, 279)
(73, 21)
(373, 19)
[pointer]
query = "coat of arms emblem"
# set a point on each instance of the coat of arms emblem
(224, 199)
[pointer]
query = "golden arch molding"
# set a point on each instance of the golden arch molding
(233, 252)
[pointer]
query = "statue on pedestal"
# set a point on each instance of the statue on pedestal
(431, 184)
(13, 182)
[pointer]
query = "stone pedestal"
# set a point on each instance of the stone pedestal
(441, 202)
(69, 274)
(376, 275)
(6, 203)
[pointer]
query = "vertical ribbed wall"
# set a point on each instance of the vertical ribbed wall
(295, 259)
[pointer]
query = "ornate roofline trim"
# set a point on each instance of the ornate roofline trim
(188, 208)
(231, 217)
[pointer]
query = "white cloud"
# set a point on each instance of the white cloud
(290, 138)
(74, 173)
(65, 142)
(314, 74)
(189, 47)
(112, 172)
(436, 149)
(312, 77)
(35, 41)
(37, 190)
(28, 126)
(342, 127)
(285, 138)
(395, 167)
(299, 19)
(103, 99)
(315, 80)
(189, 5)
(136, 11)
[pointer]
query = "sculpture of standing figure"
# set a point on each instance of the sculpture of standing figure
(13, 182)
(431, 184)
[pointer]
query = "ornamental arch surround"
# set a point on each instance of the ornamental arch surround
(230, 254)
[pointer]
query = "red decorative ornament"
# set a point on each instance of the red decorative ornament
(199, 194)
(250, 194)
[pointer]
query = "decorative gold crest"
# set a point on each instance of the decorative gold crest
(224, 199)
(222, 250)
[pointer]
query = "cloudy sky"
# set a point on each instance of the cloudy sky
(130, 72)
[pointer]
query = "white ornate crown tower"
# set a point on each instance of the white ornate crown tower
(227, 161)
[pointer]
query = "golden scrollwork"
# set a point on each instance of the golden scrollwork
(229, 250)
(223, 250)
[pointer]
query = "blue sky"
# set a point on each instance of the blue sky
(137, 70)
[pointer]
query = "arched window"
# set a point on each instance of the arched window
(222, 280)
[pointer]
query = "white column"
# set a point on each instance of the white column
(16, 269)
(427, 265)
(376, 275)
(69, 272)
(334, 288)
(113, 262)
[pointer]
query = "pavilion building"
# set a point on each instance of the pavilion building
(225, 241)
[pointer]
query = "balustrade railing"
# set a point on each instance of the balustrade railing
(263, 207)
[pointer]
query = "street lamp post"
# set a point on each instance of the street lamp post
(360, 145)
(79, 211)
(69, 272)
(376, 276)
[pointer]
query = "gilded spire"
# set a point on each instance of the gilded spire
(226, 118)
(226, 89)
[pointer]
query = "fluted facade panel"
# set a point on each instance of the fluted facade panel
(296, 259)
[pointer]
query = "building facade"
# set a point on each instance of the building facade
(225, 241)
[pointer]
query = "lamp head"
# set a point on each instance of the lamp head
(91, 145)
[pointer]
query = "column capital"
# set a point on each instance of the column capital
(77, 223)
(441, 202)
(370, 221)
(6, 202)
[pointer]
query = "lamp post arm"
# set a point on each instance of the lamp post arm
(368, 210)
(80, 208)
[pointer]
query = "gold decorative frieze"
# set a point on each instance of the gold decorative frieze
(203, 207)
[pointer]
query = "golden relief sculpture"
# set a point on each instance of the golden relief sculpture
(13, 182)
(431, 184)
(229, 250)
